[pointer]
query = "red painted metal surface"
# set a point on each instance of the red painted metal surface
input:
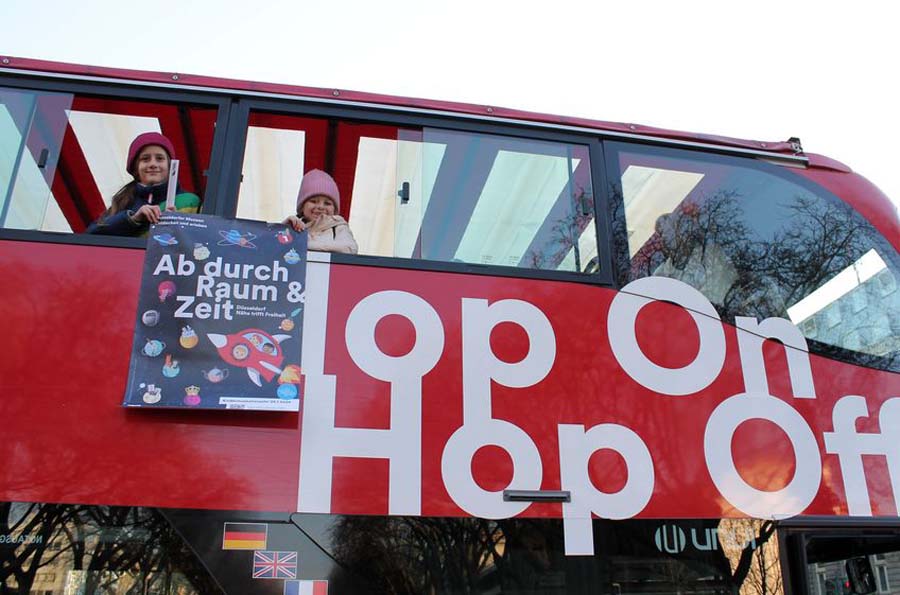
(587, 386)
(68, 314)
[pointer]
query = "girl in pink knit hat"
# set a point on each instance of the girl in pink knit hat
(318, 203)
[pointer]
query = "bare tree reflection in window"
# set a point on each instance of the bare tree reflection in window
(753, 257)
(99, 549)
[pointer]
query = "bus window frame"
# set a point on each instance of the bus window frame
(116, 90)
(779, 169)
(394, 117)
(613, 147)
(794, 534)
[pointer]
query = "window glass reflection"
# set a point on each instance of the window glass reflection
(63, 156)
(32, 125)
(431, 194)
(862, 563)
(71, 549)
(388, 223)
(758, 242)
(92, 550)
(526, 556)
(475, 198)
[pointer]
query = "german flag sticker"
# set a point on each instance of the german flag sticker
(245, 536)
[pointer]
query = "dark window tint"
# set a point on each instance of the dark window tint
(60, 548)
(759, 241)
(861, 563)
(526, 556)
(187, 552)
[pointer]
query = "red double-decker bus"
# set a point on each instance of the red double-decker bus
(570, 357)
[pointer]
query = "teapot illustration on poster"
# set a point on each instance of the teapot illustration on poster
(153, 347)
(215, 375)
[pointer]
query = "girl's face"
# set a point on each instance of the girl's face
(152, 165)
(316, 206)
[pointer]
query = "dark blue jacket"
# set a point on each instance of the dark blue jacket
(122, 224)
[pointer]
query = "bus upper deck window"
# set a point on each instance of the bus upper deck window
(431, 194)
(475, 198)
(758, 240)
(62, 156)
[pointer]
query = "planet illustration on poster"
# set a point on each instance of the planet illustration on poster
(166, 239)
(215, 375)
(233, 237)
(171, 368)
(290, 374)
(287, 392)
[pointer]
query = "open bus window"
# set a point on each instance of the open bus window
(62, 155)
(431, 194)
(278, 151)
(758, 242)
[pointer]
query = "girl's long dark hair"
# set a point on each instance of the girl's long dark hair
(121, 198)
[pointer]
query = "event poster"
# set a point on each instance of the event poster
(220, 314)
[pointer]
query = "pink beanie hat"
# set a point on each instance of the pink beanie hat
(316, 182)
(145, 140)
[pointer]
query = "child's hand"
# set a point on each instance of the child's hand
(147, 213)
(321, 223)
(295, 222)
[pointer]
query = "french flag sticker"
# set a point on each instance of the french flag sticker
(305, 587)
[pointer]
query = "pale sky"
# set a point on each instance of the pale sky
(824, 71)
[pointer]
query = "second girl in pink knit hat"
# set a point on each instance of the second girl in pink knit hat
(318, 203)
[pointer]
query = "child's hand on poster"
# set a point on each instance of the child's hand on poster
(147, 213)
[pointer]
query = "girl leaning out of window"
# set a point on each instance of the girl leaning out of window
(141, 201)
(318, 203)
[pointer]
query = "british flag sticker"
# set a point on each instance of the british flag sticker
(281, 565)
